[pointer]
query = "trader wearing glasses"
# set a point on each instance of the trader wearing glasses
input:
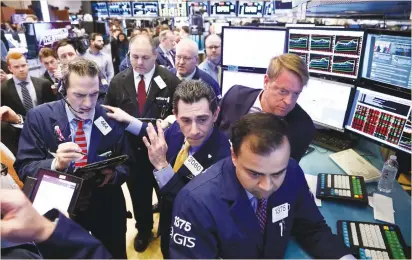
(285, 78)
(186, 65)
(213, 55)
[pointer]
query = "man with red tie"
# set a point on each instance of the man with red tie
(74, 132)
(144, 90)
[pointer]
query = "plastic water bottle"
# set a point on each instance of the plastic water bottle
(389, 170)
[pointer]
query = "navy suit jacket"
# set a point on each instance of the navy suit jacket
(237, 103)
(163, 60)
(38, 137)
(222, 223)
(201, 75)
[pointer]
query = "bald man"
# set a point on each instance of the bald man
(213, 45)
(165, 55)
(186, 65)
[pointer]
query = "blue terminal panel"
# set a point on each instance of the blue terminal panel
(198, 8)
(175, 9)
(119, 9)
(250, 9)
(99, 9)
(388, 60)
(144, 9)
(269, 9)
(222, 8)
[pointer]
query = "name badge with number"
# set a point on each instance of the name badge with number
(280, 212)
(193, 165)
(103, 126)
(160, 83)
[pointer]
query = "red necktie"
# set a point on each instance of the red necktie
(141, 95)
(261, 213)
(81, 141)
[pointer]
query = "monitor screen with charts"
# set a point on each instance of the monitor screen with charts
(381, 117)
(326, 102)
(256, 50)
(223, 8)
(328, 51)
(55, 190)
(387, 59)
(250, 9)
(198, 8)
(231, 78)
(99, 9)
(144, 9)
(173, 9)
(121, 9)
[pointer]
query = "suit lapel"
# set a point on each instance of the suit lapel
(14, 95)
(153, 91)
(38, 88)
(60, 123)
(95, 139)
(129, 96)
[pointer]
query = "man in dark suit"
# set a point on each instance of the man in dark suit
(48, 57)
(145, 90)
(78, 131)
(186, 65)
(165, 55)
(189, 146)
(21, 93)
(285, 78)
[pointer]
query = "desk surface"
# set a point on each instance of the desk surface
(319, 162)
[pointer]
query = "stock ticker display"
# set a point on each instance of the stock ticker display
(382, 117)
(330, 52)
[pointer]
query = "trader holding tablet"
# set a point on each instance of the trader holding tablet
(72, 133)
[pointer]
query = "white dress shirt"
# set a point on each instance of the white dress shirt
(257, 106)
(189, 77)
(30, 88)
(147, 79)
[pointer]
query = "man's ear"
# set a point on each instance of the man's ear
(234, 157)
(216, 114)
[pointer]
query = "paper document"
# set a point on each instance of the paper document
(382, 208)
(312, 181)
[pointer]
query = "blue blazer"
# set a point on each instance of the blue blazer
(237, 103)
(37, 137)
(201, 75)
(163, 60)
(222, 223)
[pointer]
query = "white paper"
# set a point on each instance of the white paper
(20, 126)
(383, 208)
(312, 181)
(102, 125)
(160, 83)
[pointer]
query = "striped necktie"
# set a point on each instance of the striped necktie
(261, 213)
(82, 142)
(27, 100)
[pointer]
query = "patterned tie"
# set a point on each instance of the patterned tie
(81, 141)
(261, 213)
(27, 101)
(181, 157)
(141, 94)
(171, 58)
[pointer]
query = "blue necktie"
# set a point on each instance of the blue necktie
(27, 101)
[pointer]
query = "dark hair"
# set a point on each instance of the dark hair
(81, 67)
(191, 91)
(186, 29)
(267, 130)
(63, 43)
(94, 35)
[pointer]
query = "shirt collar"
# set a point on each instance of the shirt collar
(71, 116)
(17, 81)
(258, 104)
(147, 76)
(249, 195)
(90, 52)
(189, 77)
(163, 49)
(211, 64)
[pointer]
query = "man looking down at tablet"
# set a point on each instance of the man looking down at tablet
(74, 132)
(189, 146)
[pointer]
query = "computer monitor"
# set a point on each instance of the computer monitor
(198, 8)
(144, 9)
(248, 79)
(387, 60)
(177, 9)
(326, 102)
(99, 9)
(250, 9)
(223, 9)
(381, 117)
(251, 46)
(121, 9)
(219, 25)
(333, 52)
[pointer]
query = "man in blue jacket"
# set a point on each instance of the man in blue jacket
(249, 205)
(74, 132)
(189, 146)
(186, 65)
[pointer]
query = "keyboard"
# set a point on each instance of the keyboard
(342, 187)
(354, 164)
(331, 142)
(372, 240)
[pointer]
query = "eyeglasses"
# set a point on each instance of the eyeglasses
(212, 47)
(185, 59)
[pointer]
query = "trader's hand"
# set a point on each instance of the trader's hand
(66, 153)
(21, 222)
(8, 115)
(118, 114)
(109, 176)
(58, 73)
(157, 146)
(3, 76)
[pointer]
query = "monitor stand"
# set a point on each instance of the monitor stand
(333, 140)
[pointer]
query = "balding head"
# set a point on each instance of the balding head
(142, 53)
(213, 48)
(167, 40)
(186, 57)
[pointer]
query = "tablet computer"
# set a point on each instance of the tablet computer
(55, 190)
